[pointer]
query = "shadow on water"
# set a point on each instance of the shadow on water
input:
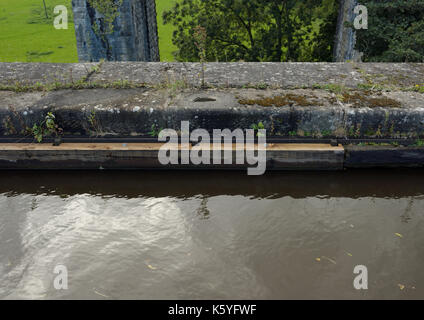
(183, 184)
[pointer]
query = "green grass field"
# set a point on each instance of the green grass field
(165, 31)
(28, 36)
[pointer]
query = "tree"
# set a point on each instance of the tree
(252, 30)
(395, 31)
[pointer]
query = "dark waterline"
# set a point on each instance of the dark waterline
(212, 235)
(393, 183)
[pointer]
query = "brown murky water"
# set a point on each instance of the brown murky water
(216, 235)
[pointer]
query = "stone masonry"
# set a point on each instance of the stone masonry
(134, 36)
(345, 39)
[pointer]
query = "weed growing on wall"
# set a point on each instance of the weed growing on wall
(200, 36)
(109, 9)
(46, 128)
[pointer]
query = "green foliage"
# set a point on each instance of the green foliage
(82, 83)
(46, 128)
(418, 88)
(37, 131)
(332, 87)
(109, 9)
(261, 86)
(50, 124)
(257, 127)
(395, 31)
(200, 42)
(419, 143)
(322, 44)
(200, 37)
(94, 122)
(155, 130)
(253, 30)
(92, 118)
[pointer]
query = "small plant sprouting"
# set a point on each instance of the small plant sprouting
(37, 131)
(155, 131)
(200, 36)
(261, 86)
(175, 87)
(419, 88)
(92, 118)
(257, 127)
(95, 125)
(332, 87)
(419, 143)
(46, 128)
(94, 69)
(109, 9)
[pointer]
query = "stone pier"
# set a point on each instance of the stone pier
(133, 36)
(345, 40)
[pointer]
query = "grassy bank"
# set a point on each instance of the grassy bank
(28, 36)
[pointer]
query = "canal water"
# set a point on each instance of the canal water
(211, 235)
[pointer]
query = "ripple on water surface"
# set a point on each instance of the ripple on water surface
(216, 236)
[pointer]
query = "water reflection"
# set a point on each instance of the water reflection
(211, 235)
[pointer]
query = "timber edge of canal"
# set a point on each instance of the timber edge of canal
(318, 116)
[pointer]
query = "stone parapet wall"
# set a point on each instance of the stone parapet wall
(232, 74)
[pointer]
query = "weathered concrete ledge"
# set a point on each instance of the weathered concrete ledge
(313, 113)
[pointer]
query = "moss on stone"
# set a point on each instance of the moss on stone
(78, 85)
(281, 101)
(363, 99)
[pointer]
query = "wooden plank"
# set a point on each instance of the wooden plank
(145, 156)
